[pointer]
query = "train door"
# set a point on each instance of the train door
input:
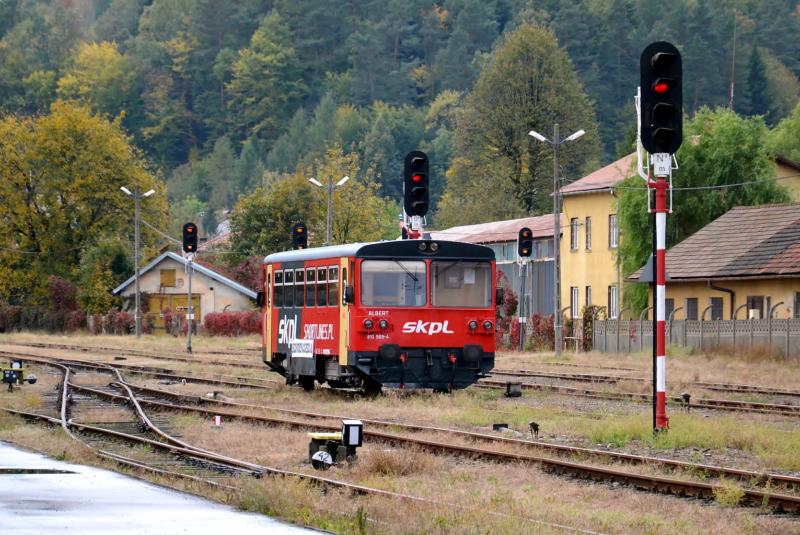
(266, 324)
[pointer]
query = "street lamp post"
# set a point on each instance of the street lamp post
(137, 196)
(329, 188)
(556, 227)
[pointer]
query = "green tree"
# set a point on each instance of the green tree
(785, 138)
(266, 83)
(261, 223)
(102, 268)
(757, 84)
(719, 148)
(529, 85)
(60, 193)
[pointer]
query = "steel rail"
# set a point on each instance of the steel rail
(612, 379)
(717, 404)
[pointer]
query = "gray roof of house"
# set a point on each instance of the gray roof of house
(197, 267)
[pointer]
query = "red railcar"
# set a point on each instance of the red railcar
(400, 314)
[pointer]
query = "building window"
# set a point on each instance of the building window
(691, 308)
(588, 233)
(168, 278)
(797, 305)
(573, 302)
(669, 308)
(716, 308)
(768, 307)
(612, 302)
(573, 234)
(755, 306)
(613, 232)
(588, 296)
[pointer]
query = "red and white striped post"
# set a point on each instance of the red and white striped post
(662, 170)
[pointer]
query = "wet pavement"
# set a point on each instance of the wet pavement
(42, 495)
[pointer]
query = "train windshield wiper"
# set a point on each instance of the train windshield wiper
(405, 269)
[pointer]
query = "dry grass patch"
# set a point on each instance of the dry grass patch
(394, 462)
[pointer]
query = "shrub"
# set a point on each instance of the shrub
(149, 323)
(232, 323)
(75, 321)
(543, 331)
(124, 322)
(62, 293)
(172, 321)
(10, 318)
(97, 324)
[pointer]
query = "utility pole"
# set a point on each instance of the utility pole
(136, 197)
(329, 188)
(557, 326)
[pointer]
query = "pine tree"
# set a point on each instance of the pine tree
(757, 84)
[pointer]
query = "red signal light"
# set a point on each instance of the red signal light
(190, 230)
(661, 88)
(417, 177)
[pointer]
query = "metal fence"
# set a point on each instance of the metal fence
(627, 336)
(539, 291)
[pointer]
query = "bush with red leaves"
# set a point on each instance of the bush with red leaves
(505, 312)
(62, 293)
(232, 323)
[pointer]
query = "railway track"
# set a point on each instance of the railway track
(747, 476)
(714, 404)
(612, 379)
(196, 457)
(779, 502)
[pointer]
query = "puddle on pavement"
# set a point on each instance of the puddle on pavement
(18, 471)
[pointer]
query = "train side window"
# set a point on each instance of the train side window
(333, 286)
(310, 287)
(288, 288)
(278, 294)
(299, 277)
(322, 288)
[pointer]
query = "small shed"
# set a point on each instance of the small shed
(166, 280)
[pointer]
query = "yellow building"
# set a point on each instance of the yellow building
(746, 262)
(589, 239)
(166, 281)
(790, 169)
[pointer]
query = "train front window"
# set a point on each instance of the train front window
(394, 283)
(461, 284)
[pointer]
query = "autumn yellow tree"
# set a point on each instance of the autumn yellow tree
(60, 194)
(360, 214)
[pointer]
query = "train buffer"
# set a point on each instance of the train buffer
(326, 449)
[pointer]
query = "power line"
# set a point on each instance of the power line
(721, 186)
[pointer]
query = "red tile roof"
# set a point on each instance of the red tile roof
(497, 231)
(604, 178)
(747, 242)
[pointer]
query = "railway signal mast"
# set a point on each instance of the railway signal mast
(416, 192)
(190, 248)
(660, 107)
(524, 251)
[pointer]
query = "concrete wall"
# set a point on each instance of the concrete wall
(213, 295)
(776, 289)
(596, 268)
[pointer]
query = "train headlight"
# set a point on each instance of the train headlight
(383, 324)
(368, 324)
(422, 246)
(473, 325)
(487, 325)
(434, 247)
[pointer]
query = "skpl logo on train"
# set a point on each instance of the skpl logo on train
(400, 314)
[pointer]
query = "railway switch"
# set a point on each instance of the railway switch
(16, 373)
(326, 449)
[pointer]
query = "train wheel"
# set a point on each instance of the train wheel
(307, 383)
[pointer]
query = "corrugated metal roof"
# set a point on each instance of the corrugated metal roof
(497, 231)
(604, 178)
(746, 242)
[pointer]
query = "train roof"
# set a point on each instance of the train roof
(386, 249)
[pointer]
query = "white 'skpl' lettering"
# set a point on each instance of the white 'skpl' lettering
(426, 327)
(287, 330)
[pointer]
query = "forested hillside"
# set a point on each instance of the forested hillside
(225, 96)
